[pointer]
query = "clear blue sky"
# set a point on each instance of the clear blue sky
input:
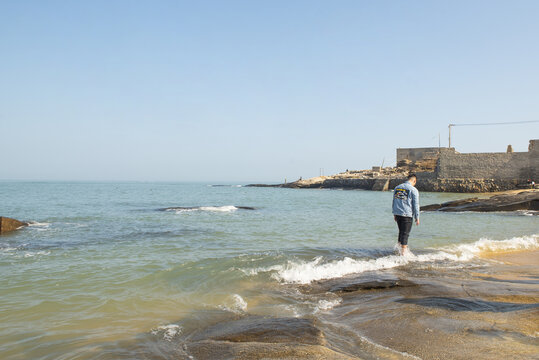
(257, 90)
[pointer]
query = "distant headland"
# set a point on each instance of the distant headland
(438, 170)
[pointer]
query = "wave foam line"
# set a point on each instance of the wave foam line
(303, 272)
(226, 208)
(39, 224)
(487, 245)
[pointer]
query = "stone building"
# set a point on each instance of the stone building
(445, 169)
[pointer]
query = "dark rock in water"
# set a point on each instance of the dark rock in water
(268, 330)
(524, 200)
(454, 203)
(372, 285)
(264, 185)
(9, 224)
(476, 305)
(361, 282)
(258, 337)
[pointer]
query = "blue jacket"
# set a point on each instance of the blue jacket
(406, 200)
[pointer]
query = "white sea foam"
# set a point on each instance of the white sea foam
(234, 303)
(487, 245)
(527, 212)
(32, 254)
(304, 272)
(226, 208)
(39, 224)
(325, 305)
(168, 331)
(256, 271)
(8, 249)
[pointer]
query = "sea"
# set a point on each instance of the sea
(118, 270)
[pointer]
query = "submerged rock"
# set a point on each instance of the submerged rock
(258, 337)
(477, 305)
(371, 285)
(524, 200)
(9, 224)
(254, 350)
(267, 330)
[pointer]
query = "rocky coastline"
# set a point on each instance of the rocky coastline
(437, 170)
(387, 309)
(385, 179)
(512, 201)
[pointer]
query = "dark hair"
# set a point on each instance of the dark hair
(411, 175)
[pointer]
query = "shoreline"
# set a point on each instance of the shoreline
(400, 313)
(516, 257)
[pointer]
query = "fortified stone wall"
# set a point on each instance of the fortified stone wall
(518, 166)
(416, 154)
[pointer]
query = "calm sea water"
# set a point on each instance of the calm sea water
(103, 263)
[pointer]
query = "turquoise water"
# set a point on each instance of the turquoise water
(103, 263)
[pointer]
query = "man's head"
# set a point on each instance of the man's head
(412, 179)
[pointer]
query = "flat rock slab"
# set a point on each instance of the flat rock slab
(258, 337)
(362, 282)
(223, 350)
(371, 285)
(524, 200)
(264, 330)
(477, 305)
(9, 224)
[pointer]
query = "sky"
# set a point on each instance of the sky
(257, 91)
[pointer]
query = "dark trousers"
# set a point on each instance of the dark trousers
(405, 225)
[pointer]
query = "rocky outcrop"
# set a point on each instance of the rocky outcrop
(438, 170)
(381, 185)
(380, 179)
(427, 181)
(523, 200)
(256, 337)
(9, 224)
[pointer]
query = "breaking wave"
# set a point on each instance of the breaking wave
(40, 226)
(305, 272)
(224, 185)
(225, 208)
(167, 332)
(235, 304)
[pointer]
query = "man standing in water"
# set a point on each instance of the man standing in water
(405, 209)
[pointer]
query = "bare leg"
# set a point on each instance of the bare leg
(404, 249)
